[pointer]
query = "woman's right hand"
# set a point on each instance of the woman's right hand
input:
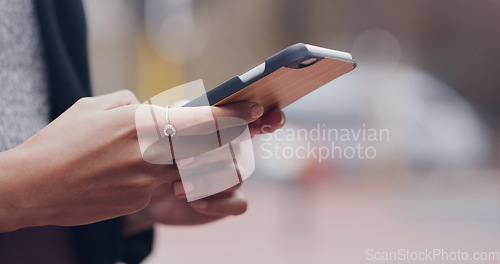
(86, 166)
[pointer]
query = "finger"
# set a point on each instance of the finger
(156, 147)
(158, 151)
(207, 180)
(201, 120)
(213, 156)
(268, 123)
(217, 206)
(163, 192)
(184, 214)
(180, 189)
(229, 191)
(159, 173)
(204, 120)
(275, 119)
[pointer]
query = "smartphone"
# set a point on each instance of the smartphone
(283, 78)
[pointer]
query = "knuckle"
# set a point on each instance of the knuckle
(126, 93)
(142, 183)
(126, 97)
(132, 96)
(127, 119)
(84, 101)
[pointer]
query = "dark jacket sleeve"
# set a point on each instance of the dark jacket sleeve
(63, 29)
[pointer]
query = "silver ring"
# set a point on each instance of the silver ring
(169, 130)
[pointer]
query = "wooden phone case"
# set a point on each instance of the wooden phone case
(287, 84)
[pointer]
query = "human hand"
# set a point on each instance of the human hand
(169, 205)
(85, 166)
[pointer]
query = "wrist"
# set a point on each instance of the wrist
(21, 179)
(11, 214)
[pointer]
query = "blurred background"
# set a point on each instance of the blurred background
(427, 72)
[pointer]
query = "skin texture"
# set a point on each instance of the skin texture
(86, 166)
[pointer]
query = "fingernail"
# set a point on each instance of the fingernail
(257, 111)
(200, 204)
(283, 118)
(277, 117)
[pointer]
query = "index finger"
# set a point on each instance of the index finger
(200, 120)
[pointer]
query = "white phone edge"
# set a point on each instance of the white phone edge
(314, 50)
